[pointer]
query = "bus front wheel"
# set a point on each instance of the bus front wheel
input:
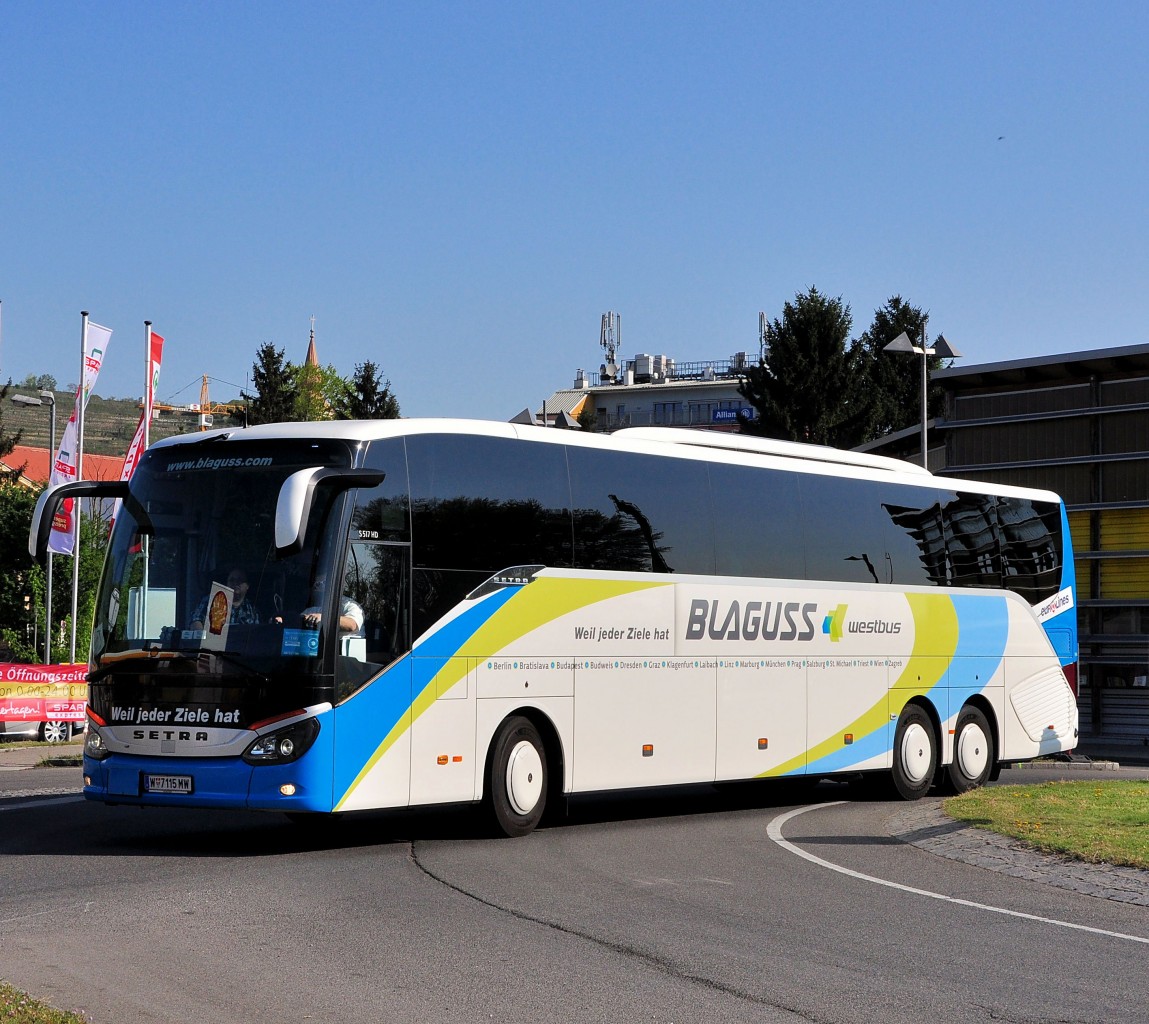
(915, 753)
(973, 759)
(517, 780)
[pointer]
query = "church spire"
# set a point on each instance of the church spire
(312, 355)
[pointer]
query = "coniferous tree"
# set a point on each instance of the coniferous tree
(806, 388)
(368, 396)
(892, 382)
(275, 385)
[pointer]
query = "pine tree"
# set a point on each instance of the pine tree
(892, 382)
(368, 396)
(806, 388)
(275, 386)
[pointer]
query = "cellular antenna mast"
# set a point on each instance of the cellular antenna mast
(610, 338)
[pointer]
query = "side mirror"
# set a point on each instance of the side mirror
(297, 496)
(49, 502)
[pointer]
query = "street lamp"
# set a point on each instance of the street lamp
(49, 399)
(941, 348)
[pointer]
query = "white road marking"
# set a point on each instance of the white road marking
(774, 831)
(51, 801)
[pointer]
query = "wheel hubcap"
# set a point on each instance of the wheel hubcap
(915, 753)
(524, 777)
(972, 751)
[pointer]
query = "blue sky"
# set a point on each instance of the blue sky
(459, 191)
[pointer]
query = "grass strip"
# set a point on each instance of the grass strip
(1095, 821)
(18, 1008)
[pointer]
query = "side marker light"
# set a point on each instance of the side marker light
(849, 738)
(441, 759)
(763, 743)
(648, 750)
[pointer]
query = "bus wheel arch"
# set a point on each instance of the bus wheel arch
(523, 772)
(916, 753)
(974, 749)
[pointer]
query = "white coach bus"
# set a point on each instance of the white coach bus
(517, 613)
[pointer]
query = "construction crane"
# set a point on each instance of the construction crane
(205, 417)
(207, 411)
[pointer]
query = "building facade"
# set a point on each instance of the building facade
(656, 391)
(1077, 424)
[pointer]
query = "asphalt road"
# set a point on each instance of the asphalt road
(690, 905)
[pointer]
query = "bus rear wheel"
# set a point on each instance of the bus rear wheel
(973, 758)
(915, 753)
(517, 778)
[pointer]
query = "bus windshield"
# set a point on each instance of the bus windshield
(192, 565)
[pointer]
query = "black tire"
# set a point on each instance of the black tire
(56, 732)
(517, 779)
(974, 754)
(915, 754)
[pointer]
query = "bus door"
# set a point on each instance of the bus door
(372, 676)
(377, 578)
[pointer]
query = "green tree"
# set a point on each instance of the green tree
(368, 396)
(806, 388)
(42, 382)
(16, 504)
(23, 584)
(275, 385)
(893, 381)
(319, 391)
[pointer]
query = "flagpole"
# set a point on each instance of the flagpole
(148, 397)
(78, 505)
(144, 546)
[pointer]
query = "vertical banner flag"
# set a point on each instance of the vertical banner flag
(136, 448)
(66, 458)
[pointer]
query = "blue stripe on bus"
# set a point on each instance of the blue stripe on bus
(983, 626)
(363, 722)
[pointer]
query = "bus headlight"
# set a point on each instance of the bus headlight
(283, 745)
(94, 744)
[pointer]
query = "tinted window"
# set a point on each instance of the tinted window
(487, 503)
(640, 513)
(757, 522)
(972, 540)
(868, 532)
(1030, 547)
(382, 513)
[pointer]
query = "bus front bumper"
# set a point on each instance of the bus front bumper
(223, 783)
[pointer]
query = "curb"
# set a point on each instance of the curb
(1079, 766)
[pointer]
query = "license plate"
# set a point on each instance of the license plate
(168, 783)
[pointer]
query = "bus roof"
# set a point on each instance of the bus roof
(688, 442)
(769, 446)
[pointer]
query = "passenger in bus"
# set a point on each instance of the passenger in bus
(242, 610)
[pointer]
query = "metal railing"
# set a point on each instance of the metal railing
(705, 369)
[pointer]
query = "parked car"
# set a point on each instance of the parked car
(49, 732)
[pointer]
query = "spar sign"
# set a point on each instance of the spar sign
(43, 693)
